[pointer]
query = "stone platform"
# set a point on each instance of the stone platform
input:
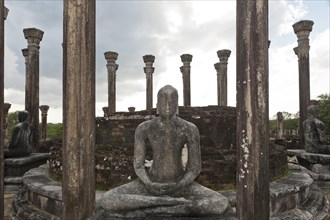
(293, 197)
(17, 166)
(316, 165)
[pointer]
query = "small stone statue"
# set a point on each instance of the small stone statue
(167, 189)
(20, 144)
(314, 132)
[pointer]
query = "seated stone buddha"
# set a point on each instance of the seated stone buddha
(168, 188)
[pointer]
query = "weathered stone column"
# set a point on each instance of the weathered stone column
(221, 68)
(44, 110)
(185, 70)
(78, 179)
(302, 29)
(280, 125)
(3, 16)
(5, 117)
(25, 53)
(149, 70)
(33, 37)
(112, 67)
(252, 132)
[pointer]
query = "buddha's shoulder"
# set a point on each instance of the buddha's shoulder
(147, 124)
(186, 124)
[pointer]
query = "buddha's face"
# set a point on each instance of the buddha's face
(167, 101)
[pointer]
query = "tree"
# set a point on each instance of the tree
(54, 131)
(12, 121)
(324, 106)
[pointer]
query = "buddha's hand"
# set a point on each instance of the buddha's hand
(161, 188)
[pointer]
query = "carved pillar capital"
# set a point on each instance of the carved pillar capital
(149, 69)
(186, 59)
(223, 55)
(44, 110)
(148, 59)
(111, 56)
(33, 36)
(302, 29)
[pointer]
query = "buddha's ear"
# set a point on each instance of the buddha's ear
(177, 110)
(157, 112)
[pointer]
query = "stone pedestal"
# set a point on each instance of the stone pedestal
(33, 37)
(317, 165)
(185, 70)
(149, 70)
(112, 67)
(20, 165)
(44, 110)
(252, 132)
(221, 68)
(302, 29)
(78, 109)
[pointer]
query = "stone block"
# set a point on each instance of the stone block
(317, 163)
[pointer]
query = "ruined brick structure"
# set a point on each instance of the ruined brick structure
(216, 124)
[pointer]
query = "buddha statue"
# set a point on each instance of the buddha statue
(20, 143)
(168, 188)
(314, 132)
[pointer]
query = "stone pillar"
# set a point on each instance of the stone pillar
(44, 110)
(5, 117)
(252, 131)
(221, 68)
(185, 70)
(25, 53)
(105, 111)
(149, 70)
(3, 16)
(112, 67)
(280, 125)
(78, 180)
(302, 29)
(33, 37)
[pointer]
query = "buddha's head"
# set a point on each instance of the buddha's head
(167, 101)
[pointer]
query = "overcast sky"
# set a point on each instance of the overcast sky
(166, 29)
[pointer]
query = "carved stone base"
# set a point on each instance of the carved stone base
(17, 166)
